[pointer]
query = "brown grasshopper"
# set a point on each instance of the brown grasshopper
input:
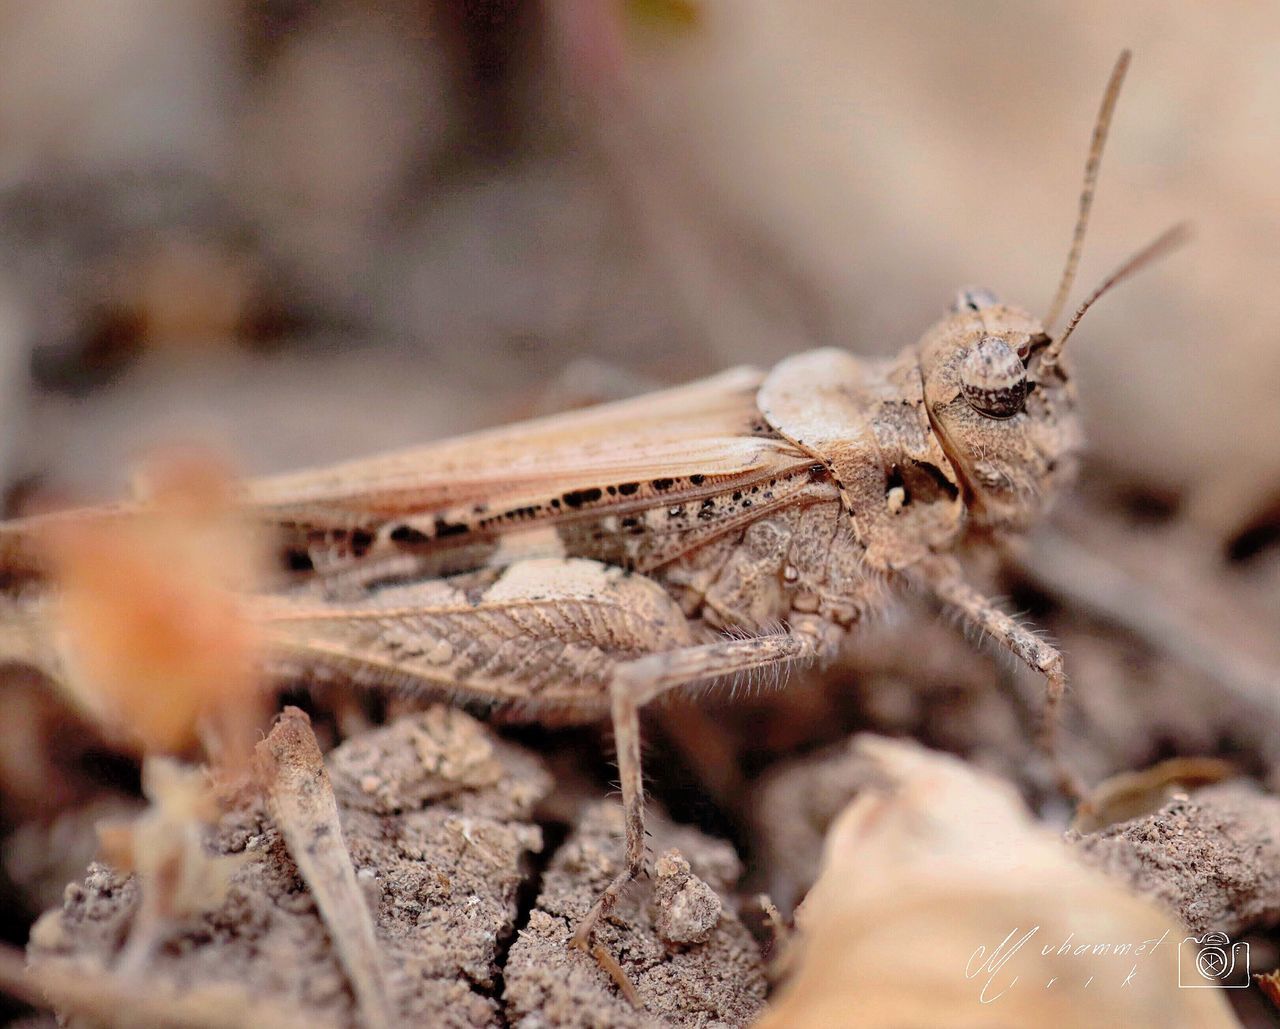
(584, 565)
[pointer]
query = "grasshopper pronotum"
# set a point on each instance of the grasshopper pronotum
(587, 563)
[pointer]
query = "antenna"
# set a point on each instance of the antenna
(1091, 166)
(1167, 241)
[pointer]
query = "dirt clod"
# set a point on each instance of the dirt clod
(719, 982)
(441, 859)
(686, 909)
(436, 816)
(1213, 858)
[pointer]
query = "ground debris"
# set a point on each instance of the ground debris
(410, 845)
(719, 982)
(1212, 858)
(442, 880)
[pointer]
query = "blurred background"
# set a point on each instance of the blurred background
(305, 231)
(311, 229)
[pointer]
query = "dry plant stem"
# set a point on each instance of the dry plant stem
(145, 934)
(437, 805)
(303, 804)
(109, 1000)
(1129, 795)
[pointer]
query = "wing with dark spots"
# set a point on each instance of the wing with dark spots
(579, 449)
(656, 470)
(665, 472)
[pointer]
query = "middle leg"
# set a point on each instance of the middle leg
(636, 683)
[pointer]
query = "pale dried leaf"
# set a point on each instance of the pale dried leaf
(929, 886)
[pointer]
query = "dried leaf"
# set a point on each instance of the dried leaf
(942, 903)
(151, 632)
(1269, 983)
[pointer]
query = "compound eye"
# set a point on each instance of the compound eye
(973, 298)
(992, 379)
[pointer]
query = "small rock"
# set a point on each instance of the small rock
(685, 908)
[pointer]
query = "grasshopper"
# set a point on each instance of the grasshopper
(583, 565)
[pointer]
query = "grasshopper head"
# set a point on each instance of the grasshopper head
(1001, 400)
(1003, 408)
(995, 387)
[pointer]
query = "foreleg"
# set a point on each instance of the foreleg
(944, 579)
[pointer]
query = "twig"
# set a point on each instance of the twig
(303, 803)
(1212, 858)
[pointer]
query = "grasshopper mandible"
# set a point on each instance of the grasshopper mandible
(585, 564)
